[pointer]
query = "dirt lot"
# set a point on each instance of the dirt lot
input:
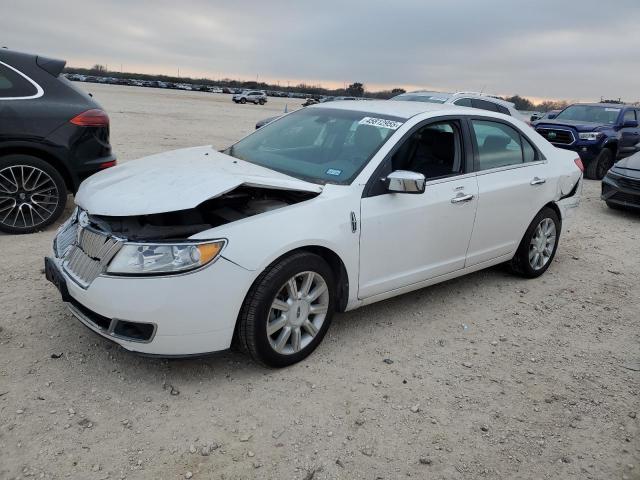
(486, 376)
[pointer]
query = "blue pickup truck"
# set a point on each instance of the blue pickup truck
(601, 133)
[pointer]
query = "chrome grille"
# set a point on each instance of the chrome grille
(66, 236)
(557, 135)
(85, 252)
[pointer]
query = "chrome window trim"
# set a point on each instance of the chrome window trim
(511, 167)
(39, 90)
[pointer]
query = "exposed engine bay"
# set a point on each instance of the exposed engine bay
(235, 205)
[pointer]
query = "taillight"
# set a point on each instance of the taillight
(579, 164)
(108, 164)
(91, 118)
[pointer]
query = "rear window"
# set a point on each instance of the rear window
(14, 85)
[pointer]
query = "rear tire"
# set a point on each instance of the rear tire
(538, 245)
(597, 168)
(280, 322)
(261, 102)
(32, 194)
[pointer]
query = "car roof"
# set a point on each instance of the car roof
(404, 109)
(456, 95)
(608, 105)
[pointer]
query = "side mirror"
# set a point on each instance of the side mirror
(551, 116)
(403, 181)
(630, 124)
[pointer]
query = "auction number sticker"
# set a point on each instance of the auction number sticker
(380, 122)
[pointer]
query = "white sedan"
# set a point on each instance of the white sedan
(326, 209)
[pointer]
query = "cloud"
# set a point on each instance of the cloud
(541, 49)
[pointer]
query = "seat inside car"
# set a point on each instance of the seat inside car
(431, 151)
(494, 152)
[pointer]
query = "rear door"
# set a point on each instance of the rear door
(513, 185)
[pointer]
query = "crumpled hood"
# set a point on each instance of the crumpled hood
(176, 180)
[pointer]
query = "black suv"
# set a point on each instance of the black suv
(601, 133)
(52, 136)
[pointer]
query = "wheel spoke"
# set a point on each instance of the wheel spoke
(306, 283)
(275, 325)
(296, 339)
(282, 339)
(292, 288)
(10, 182)
(316, 292)
(310, 328)
(318, 309)
(280, 305)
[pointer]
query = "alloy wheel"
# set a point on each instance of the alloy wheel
(28, 196)
(542, 244)
(297, 312)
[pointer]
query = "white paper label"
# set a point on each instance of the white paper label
(380, 122)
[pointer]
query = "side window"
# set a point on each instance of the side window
(463, 102)
(483, 105)
(502, 109)
(13, 85)
(500, 145)
(629, 115)
(434, 150)
(530, 154)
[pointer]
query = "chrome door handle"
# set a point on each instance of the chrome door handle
(461, 197)
(538, 181)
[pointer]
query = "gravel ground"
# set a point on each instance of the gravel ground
(486, 376)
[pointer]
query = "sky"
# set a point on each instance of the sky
(542, 49)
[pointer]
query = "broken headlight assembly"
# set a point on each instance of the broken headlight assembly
(164, 258)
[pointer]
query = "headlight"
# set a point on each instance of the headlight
(589, 135)
(159, 258)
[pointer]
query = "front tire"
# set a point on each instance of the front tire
(288, 310)
(538, 246)
(243, 101)
(32, 194)
(261, 102)
(597, 168)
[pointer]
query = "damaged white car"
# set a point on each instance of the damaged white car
(325, 209)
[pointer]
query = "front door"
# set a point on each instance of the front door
(407, 238)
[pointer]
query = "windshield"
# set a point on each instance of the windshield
(589, 113)
(432, 97)
(320, 145)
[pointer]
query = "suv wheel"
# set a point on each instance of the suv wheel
(597, 168)
(538, 246)
(32, 194)
(261, 101)
(288, 310)
(243, 100)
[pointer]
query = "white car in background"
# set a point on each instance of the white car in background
(483, 101)
(326, 209)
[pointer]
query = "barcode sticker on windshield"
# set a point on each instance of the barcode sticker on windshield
(380, 122)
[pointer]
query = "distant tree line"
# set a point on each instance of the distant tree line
(356, 89)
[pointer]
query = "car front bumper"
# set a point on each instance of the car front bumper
(178, 315)
(621, 190)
